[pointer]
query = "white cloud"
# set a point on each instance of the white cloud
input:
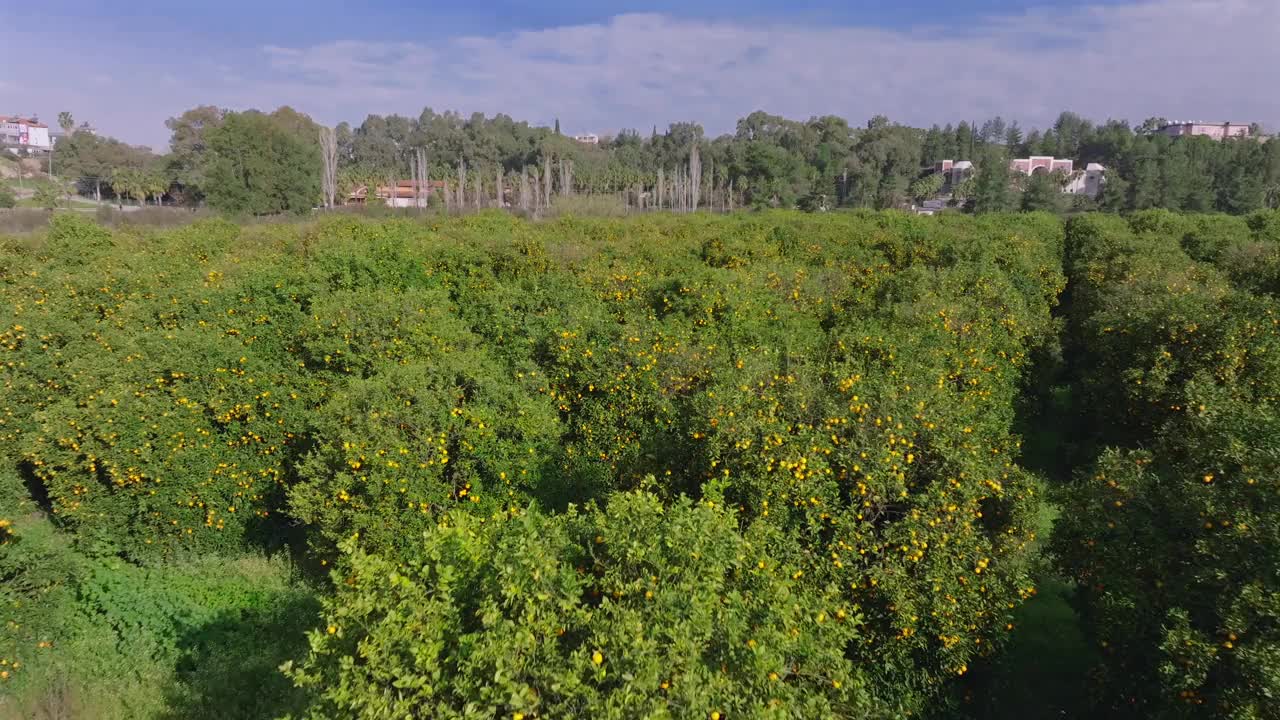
(1167, 57)
(1176, 58)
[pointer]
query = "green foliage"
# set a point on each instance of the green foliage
(1173, 535)
(1042, 193)
(48, 197)
(7, 198)
(763, 465)
(840, 386)
(710, 449)
(83, 635)
(129, 182)
(926, 187)
(991, 187)
(636, 610)
(1041, 673)
(73, 237)
(258, 166)
(130, 344)
(94, 159)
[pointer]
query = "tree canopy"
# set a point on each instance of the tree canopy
(261, 164)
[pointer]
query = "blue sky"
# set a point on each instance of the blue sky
(245, 23)
(125, 67)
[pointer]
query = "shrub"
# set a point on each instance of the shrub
(1172, 533)
(634, 610)
(843, 383)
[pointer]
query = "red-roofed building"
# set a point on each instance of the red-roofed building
(19, 133)
(405, 193)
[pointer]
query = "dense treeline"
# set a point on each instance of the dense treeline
(760, 465)
(252, 162)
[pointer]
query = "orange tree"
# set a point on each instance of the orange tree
(1246, 249)
(632, 610)
(841, 387)
(1172, 533)
(884, 452)
(160, 403)
(837, 392)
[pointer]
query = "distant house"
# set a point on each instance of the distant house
(404, 194)
(954, 171)
(18, 133)
(588, 139)
(1041, 164)
(1215, 130)
(1087, 183)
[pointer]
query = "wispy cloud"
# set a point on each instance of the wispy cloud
(1167, 57)
(1177, 58)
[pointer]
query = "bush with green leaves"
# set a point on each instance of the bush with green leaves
(85, 634)
(638, 609)
(843, 384)
(155, 398)
(1172, 533)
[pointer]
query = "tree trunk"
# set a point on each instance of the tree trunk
(497, 188)
(462, 185)
(546, 182)
(695, 177)
(711, 188)
(421, 184)
(329, 163)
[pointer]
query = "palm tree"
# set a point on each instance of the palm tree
(128, 182)
(157, 184)
(66, 123)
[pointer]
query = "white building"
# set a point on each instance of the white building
(1041, 164)
(17, 133)
(954, 172)
(588, 138)
(1088, 183)
(1216, 130)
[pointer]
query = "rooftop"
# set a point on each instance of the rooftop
(22, 121)
(1172, 123)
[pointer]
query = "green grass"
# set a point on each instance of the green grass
(1041, 672)
(186, 638)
